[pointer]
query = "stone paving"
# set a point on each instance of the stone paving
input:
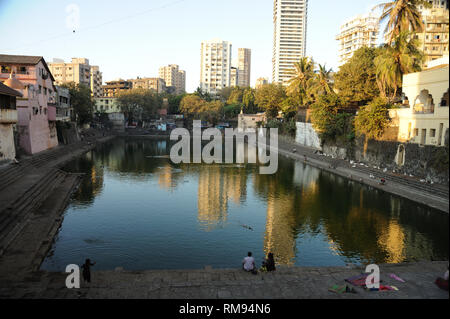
(285, 283)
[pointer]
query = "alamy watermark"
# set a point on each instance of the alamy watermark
(257, 140)
(73, 17)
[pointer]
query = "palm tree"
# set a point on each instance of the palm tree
(400, 58)
(322, 82)
(402, 15)
(301, 80)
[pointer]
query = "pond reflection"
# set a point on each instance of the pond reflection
(137, 210)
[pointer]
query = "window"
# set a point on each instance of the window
(6, 69)
(22, 70)
(432, 132)
(416, 132)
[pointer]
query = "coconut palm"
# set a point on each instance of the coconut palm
(402, 15)
(322, 81)
(402, 57)
(301, 79)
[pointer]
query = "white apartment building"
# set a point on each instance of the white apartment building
(289, 39)
(173, 77)
(215, 66)
(244, 67)
(355, 33)
(78, 71)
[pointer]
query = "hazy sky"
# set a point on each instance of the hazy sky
(135, 37)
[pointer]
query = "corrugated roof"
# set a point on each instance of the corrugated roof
(6, 90)
(20, 59)
(24, 59)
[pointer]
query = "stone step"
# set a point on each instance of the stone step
(13, 217)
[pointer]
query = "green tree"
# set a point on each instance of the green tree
(372, 120)
(321, 83)
(327, 119)
(203, 95)
(356, 81)
(249, 101)
(192, 105)
(301, 79)
(195, 107)
(232, 110)
(269, 98)
(174, 103)
(139, 104)
(81, 101)
(401, 57)
(402, 16)
(236, 95)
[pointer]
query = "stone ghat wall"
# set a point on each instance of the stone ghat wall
(428, 162)
(306, 135)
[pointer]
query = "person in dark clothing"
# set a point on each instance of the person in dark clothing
(87, 270)
(269, 263)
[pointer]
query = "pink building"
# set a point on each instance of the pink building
(31, 76)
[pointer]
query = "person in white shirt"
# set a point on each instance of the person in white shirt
(249, 263)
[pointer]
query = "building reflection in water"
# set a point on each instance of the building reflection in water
(217, 185)
(358, 223)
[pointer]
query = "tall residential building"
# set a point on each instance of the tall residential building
(78, 71)
(434, 39)
(156, 84)
(173, 77)
(244, 67)
(215, 66)
(96, 81)
(355, 33)
(289, 38)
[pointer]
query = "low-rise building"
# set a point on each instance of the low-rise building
(8, 119)
(106, 105)
(64, 109)
(425, 119)
(156, 84)
(31, 76)
(110, 107)
(113, 88)
(250, 121)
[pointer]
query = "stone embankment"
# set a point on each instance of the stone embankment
(33, 193)
(432, 195)
(284, 283)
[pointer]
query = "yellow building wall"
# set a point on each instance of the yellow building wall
(417, 127)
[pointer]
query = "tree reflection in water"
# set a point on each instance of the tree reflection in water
(297, 205)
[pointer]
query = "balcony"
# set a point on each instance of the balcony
(8, 116)
(51, 113)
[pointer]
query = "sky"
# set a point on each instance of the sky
(134, 38)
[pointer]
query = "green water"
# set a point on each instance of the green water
(140, 212)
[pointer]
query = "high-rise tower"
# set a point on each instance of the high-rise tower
(289, 38)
